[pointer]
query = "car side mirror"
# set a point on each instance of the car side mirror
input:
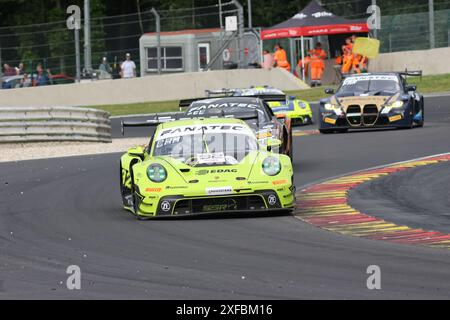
(137, 152)
(329, 91)
(273, 143)
(411, 88)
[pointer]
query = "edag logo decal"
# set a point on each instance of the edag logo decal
(205, 172)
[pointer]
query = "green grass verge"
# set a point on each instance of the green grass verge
(428, 84)
(140, 108)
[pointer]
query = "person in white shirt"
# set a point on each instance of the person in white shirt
(128, 68)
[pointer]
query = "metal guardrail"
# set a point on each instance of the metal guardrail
(42, 124)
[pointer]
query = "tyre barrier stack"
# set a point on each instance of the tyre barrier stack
(44, 124)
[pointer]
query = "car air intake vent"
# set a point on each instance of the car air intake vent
(205, 205)
(371, 109)
(354, 109)
(354, 115)
(370, 115)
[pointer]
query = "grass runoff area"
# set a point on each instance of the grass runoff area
(426, 84)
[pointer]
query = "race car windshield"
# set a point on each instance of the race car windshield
(207, 149)
(369, 85)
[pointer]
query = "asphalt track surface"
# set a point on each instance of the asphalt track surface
(60, 212)
(418, 198)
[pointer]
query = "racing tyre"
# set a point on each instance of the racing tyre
(409, 125)
(421, 123)
(123, 189)
(135, 202)
(308, 121)
(134, 196)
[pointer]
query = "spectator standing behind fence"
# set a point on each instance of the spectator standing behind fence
(104, 66)
(268, 61)
(8, 71)
(128, 68)
(20, 70)
(42, 78)
(25, 82)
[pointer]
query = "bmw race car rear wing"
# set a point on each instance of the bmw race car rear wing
(220, 92)
(407, 73)
(155, 120)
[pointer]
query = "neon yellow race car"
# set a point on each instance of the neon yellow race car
(298, 111)
(204, 166)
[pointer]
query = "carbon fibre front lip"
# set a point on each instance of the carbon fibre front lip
(382, 122)
(216, 213)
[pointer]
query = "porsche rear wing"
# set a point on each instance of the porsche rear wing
(158, 119)
(153, 120)
(267, 98)
(187, 102)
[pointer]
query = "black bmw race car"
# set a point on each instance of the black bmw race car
(372, 100)
(267, 126)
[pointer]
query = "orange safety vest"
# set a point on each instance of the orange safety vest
(280, 58)
(349, 47)
(319, 53)
(359, 63)
(307, 61)
(347, 63)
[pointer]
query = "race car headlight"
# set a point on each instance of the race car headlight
(156, 173)
(396, 104)
(271, 166)
(329, 107)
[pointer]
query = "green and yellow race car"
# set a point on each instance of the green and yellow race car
(200, 166)
(298, 111)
